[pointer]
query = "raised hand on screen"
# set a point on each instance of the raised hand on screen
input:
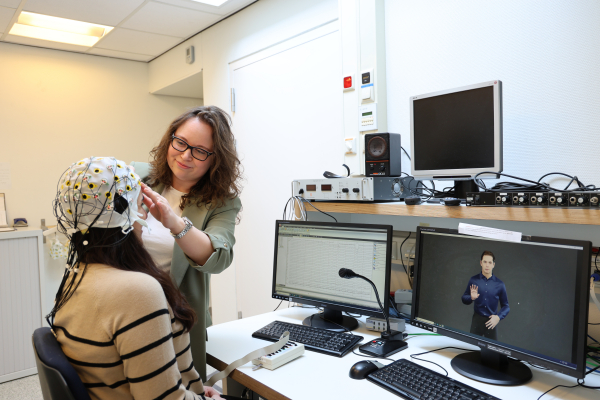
(474, 292)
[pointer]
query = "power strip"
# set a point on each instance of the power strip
(379, 324)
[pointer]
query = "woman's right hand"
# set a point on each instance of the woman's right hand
(161, 210)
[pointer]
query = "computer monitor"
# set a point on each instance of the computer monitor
(308, 257)
(456, 134)
(537, 288)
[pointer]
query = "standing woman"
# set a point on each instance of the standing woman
(193, 184)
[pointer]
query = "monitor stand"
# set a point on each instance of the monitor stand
(490, 367)
(331, 320)
(462, 187)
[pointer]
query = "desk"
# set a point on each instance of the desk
(318, 376)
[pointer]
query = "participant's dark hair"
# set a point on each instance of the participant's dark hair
(111, 247)
(488, 253)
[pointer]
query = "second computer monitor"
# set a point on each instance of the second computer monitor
(308, 257)
(457, 133)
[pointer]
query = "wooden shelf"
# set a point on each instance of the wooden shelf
(553, 215)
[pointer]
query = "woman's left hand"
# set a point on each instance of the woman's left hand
(161, 210)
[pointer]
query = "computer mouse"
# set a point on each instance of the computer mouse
(412, 201)
(361, 369)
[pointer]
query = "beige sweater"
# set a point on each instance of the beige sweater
(119, 333)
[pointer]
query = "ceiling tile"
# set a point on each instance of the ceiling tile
(10, 3)
(120, 54)
(170, 20)
(6, 15)
(104, 12)
(44, 43)
(225, 9)
(129, 41)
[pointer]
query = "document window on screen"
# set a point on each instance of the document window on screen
(309, 259)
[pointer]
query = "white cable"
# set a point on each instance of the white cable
(593, 294)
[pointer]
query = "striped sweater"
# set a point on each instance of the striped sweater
(119, 333)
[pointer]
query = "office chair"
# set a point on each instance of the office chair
(58, 378)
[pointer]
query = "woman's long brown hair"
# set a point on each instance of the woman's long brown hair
(126, 252)
(223, 180)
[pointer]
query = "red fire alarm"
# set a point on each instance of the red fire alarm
(348, 83)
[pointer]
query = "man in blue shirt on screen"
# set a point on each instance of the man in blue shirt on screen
(486, 290)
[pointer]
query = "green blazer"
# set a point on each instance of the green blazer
(193, 279)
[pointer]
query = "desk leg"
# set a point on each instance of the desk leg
(232, 388)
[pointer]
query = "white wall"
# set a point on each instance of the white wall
(57, 107)
(545, 53)
(257, 27)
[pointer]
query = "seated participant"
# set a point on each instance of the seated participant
(119, 319)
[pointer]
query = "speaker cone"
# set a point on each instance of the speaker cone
(377, 147)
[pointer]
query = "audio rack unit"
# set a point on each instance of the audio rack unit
(356, 189)
(534, 199)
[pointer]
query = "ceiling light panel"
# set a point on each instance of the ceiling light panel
(45, 27)
(104, 12)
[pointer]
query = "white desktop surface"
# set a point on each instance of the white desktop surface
(318, 376)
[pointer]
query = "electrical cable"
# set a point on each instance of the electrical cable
(532, 186)
(404, 150)
(402, 260)
(557, 386)
(424, 334)
(398, 313)
(582, 383)
(278, 305)
(426, 193)
(431, 351)
(322, 212)
(296, 202)
(331, 175)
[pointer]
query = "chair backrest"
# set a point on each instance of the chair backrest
(58, 378)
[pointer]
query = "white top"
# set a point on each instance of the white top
(158, 240)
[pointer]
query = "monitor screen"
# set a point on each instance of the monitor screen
(528, 299)
(309, 255)
(457, 132)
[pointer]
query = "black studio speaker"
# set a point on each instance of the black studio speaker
(382, 154)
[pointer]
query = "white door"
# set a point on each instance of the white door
(288, 125)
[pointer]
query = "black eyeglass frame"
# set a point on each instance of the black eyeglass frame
(208, 153)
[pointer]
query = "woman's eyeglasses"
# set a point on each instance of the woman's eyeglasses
(181, 145)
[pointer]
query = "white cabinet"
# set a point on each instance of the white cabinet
(21, 264)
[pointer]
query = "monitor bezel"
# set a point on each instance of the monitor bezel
(466, 173)
(339, 306)
(583, 269)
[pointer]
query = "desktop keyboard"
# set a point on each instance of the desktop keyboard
(314, 339)
(412, 381)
